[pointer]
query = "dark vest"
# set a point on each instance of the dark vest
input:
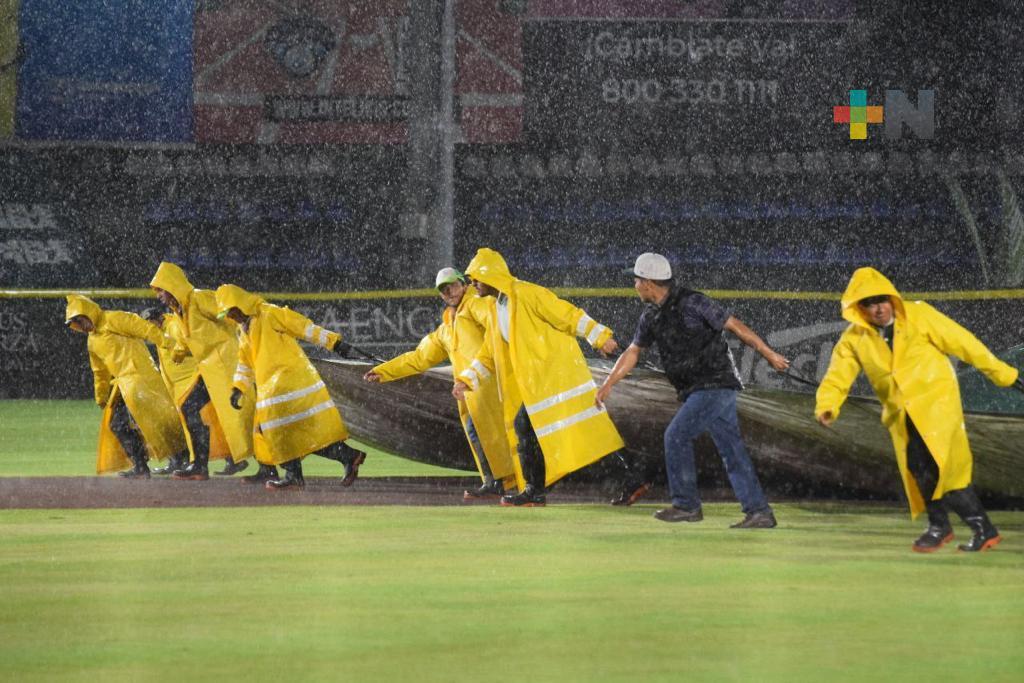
(694, 355)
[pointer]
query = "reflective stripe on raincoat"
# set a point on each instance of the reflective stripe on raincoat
(295, 415)
(213, 343)
(458, 340)
(916, 378)
(123, 367)
(542, 366)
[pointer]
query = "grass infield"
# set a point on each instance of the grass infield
(565, 593)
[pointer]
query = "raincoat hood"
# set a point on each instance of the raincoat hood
(80, 305)
(171, 278)
(490, 268)
(867, 282)
(232, 296)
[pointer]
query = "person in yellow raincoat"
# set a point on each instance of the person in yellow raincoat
(139, 420)
(546, 388)
(214, 429)
(178, 376)
(458, 339)
(903, 348)
(295, 415)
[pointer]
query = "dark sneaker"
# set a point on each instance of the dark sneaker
(933, 538)
(487, 491)
(288, 481)
(264, 474)
(529, 498)
(674, 514)
(232, 467)
(352, 469)
(762, 519)
(193, 472)
(631, 494)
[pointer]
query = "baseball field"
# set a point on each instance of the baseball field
(395, 580)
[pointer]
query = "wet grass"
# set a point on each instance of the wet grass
(566, 593)
(58, 439)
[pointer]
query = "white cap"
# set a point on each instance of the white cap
(446, 276)
(652, 267)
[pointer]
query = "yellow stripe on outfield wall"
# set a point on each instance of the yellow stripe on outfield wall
(569, 292)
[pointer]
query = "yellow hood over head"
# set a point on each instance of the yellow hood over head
(81, 305)
(490, 268)
(864, 283)
(233, 296)
(171, 278)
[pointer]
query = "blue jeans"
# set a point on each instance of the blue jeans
(478, 448)
(714, 411)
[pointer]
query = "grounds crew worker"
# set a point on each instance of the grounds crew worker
(177, 376)
(903, 348)
(457, 339)
(215, 430)
(687, 328)
(139, 420)
(547, 391)
(295, 415)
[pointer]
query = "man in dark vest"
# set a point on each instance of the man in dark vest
(687, 327)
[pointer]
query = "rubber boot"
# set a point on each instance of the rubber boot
(939, 531)
(197, 470)
(140, 470)
(231, 467)
(967, 505)
(292, 478)
(490, 489)
(176, 462)
(264, 474)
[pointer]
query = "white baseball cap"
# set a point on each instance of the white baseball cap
(652, 267)
(446, 276)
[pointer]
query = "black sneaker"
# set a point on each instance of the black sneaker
(674, 514)
(529, 498)
(632, 493)
(232, 467)
(933, 538)
(762, 519)
(491, 490)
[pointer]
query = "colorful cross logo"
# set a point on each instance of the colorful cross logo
(858, 114)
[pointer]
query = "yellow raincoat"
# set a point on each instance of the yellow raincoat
(295, 415)
(213, 343)
(178, 376)
(458, 339)
(543, 367)
(122, 367)
(915, 378)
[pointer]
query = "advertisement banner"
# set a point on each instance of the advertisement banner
(105, 70)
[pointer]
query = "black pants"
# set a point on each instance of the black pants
(531, 457)
(127, 433)
(925, 470)
(197, 429)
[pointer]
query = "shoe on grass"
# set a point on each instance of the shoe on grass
(762, 519)
(674, 514)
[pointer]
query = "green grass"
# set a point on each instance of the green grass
(566, 593)
(58, 438)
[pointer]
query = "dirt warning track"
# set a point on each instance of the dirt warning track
(113, 492)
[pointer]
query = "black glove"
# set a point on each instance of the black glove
(343, 349)
(153, 314)
(1019, 384)
(236, 398)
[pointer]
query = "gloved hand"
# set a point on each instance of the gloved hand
(1019, 384)
(236, 398)
(343, 349)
